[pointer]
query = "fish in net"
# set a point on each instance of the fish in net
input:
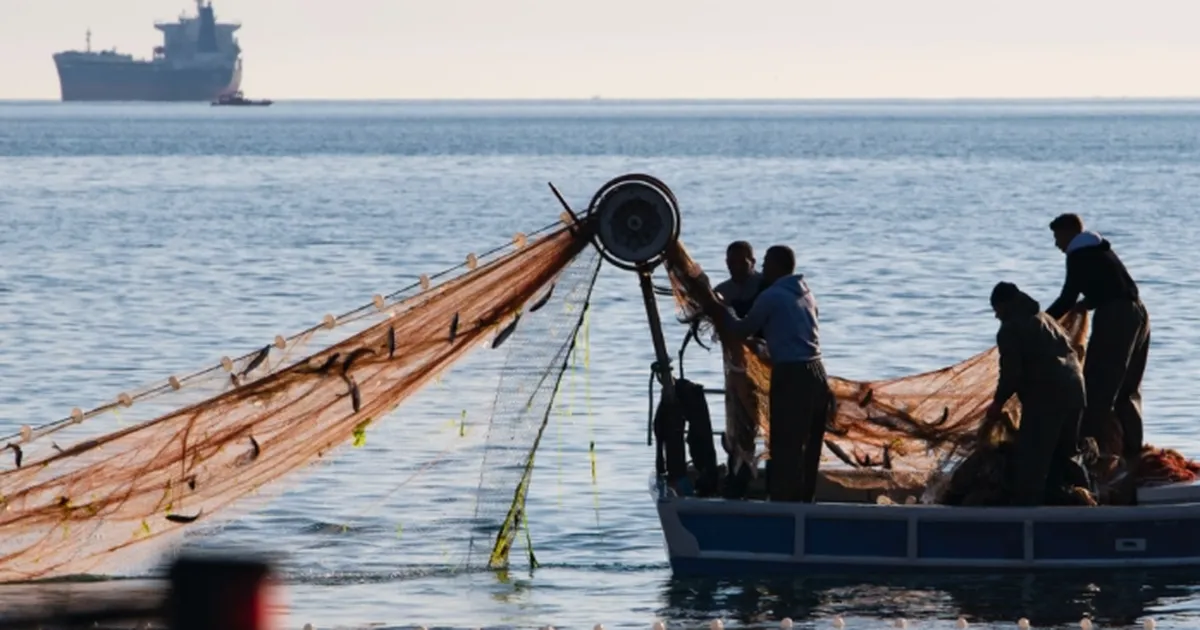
(907, 435)
(80, 500)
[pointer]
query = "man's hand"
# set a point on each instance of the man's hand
(712, 304)
(759, 348)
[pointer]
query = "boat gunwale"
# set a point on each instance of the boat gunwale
(924, 511)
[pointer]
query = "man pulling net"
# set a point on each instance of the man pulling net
(786, 313)
(1120, 341)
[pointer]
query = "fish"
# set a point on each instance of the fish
(866, 400)
(191, 482)
(391, 339)
(352, 357)
(18, 454)
(837, 429)
(257, 360)
(865, 461)
(454, 328)
(545, 298)
(841, 453)
(80, 447)
(507, 332)
(355, 397)
(179, 518)
(900, 422)
(324, 367)
(246, 458)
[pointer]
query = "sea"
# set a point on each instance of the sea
(144, 240)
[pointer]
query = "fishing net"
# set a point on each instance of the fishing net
(906, 432)
(528, 384)
(78, 499)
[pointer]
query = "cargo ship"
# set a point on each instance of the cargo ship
(199, 60)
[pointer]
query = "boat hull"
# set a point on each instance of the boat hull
(717, 537)
(90, 77)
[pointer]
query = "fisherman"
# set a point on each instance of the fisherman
(744, 283)
(1117, 350)
(801, 399)
(1037, 364)
(741, 426)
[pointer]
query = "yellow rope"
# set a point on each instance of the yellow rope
(587, 401)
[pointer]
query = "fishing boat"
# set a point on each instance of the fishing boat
(723, 537)
(237, 99)
(857, 524)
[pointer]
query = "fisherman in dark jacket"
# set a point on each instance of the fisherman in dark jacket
(1037, 364)
(1116, 353)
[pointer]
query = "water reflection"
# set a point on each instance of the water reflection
(1045, 599)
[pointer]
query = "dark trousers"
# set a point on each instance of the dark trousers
(1046, 441)
(800, 405)
(1112, 372)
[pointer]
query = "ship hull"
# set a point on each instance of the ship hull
(81, 79)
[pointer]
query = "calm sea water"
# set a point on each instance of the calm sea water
(145, 240)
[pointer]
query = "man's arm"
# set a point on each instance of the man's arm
(1070, 293)
(742, 328)
(1010, 365)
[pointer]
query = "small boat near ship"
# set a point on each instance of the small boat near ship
(863, 519)
(237, 99)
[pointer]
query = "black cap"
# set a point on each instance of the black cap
(1003, 292)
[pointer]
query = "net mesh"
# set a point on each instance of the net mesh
(212, 438)
(528, 384)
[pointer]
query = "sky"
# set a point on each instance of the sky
(654, 49)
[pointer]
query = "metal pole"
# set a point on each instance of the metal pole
(663, 364)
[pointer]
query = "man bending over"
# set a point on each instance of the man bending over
(1037, 364)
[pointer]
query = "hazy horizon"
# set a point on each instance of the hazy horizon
(765, 50)
(873, 100)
